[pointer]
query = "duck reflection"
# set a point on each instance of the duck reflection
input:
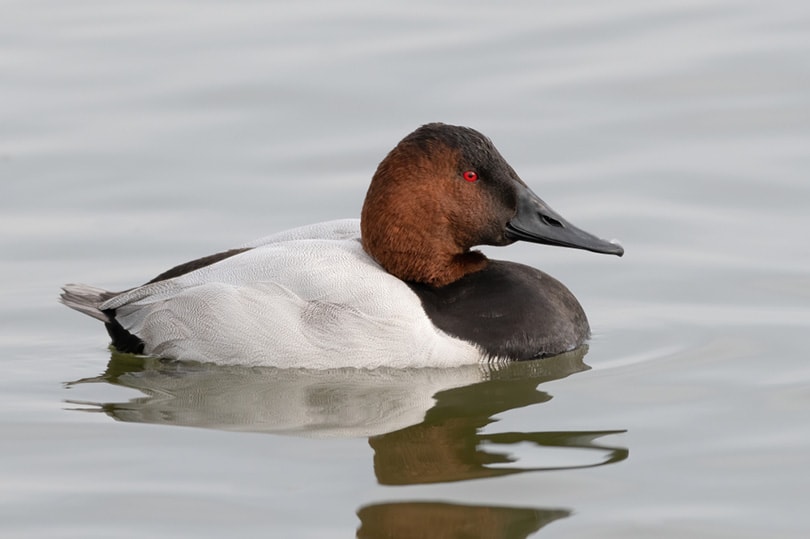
(448, 444)
(433, 519)
(424, 425)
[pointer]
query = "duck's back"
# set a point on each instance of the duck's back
(310, 297)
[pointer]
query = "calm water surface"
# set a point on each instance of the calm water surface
(134, 136)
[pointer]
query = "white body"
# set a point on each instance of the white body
(308, 297)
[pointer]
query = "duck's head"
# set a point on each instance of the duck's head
(445, 189)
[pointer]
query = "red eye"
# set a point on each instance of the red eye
(470, 175)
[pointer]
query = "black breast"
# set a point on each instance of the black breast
(509, 310)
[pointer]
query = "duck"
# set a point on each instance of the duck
(401, 286)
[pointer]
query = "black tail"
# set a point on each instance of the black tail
(88, 299)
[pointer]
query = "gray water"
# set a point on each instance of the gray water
(134, 136)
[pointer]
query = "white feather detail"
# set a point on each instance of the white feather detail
(308, 297)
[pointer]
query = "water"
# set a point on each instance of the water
(134, 136)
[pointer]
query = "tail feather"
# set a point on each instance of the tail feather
(86, 299)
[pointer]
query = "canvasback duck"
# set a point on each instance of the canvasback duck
(399, 287)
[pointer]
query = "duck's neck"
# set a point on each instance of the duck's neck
(432, 268)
